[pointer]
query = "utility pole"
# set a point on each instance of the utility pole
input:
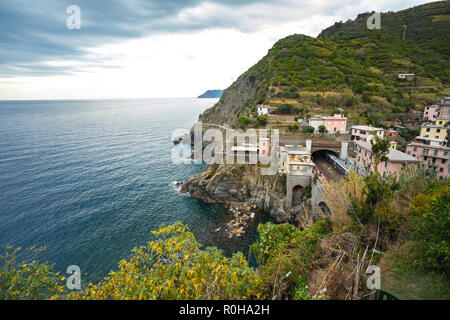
(404, 32)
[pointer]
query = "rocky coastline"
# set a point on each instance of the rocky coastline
(239, 184)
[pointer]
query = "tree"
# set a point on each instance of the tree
(380, 149)
(322, 129)
(433, 225)
(285, 108)
(261, 121)
(308, 129)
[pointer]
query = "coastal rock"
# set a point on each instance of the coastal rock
(239, 184)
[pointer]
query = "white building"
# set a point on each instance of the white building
(316, 122)
(365, 133)
(263, 110)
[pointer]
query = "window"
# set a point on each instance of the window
(436, 152)
(428, 129)
(415, 148)
(438, 130)
(444, 161)
(441, 169)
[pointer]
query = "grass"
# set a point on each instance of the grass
(401, 276)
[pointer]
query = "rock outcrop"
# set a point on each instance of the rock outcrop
(229, 184)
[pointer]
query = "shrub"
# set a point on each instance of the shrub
(27, 280)
(308, 129)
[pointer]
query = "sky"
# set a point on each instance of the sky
(151, 48)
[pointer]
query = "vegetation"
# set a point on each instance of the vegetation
(308, 129)
(170, 267)
(405, 217)
(285, 254)
(285, 108)
(22, 280)
(351, 67)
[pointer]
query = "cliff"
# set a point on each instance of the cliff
(230, 184)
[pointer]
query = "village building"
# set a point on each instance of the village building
(430, 113)
(263, 109)
(251, 149)
(434, 152)
(364, 133)
(295, 160)
(264, 146)
(406, 76)
(246, 150)
(296, 163)
(336, 123)
(437, 131)
(397, 160)
(316, 122)
(390, 133)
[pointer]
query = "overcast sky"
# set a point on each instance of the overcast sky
(151, 48)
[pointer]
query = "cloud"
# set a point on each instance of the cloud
(31, 32)
(120, 38)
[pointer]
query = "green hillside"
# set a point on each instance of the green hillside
(351, 67)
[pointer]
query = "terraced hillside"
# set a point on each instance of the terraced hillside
(351, 68)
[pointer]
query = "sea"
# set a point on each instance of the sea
(89, 179)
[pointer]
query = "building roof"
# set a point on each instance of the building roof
(430, 139)
(393, 155)
(336, 116)
(366, 128)
(334, 119)
(294, 150)
(434, 143)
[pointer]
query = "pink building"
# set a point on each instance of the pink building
(336, 123)
(397, 160)
(364, 133)
(264, 146)
(434, 153)
(430, 113)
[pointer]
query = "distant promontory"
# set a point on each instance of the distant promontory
(212, 94)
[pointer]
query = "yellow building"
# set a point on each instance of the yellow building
(437, 131)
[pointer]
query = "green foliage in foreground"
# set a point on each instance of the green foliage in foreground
(19, 281)
(170, 267)
(284, 254)
(431, 214)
